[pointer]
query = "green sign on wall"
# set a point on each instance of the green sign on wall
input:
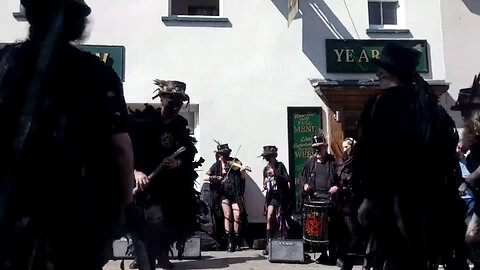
(354, 56)
(113, 56)
(303, 122)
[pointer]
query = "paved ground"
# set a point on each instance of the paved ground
(244, 260)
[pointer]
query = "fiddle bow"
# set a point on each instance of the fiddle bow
(235, 164)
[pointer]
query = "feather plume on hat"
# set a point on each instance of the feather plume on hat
(174, 89)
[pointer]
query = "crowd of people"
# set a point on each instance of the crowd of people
(402, 195)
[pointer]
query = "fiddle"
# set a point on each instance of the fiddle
(236, 165)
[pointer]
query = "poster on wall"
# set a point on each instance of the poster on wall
(292, 10)
(303, 122)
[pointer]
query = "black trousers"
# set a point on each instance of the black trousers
(352, 241)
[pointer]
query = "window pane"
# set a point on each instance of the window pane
(390, 12)
(374, 13)
(203, 10)
(195, 7)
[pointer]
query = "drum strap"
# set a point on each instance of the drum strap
(313, 173)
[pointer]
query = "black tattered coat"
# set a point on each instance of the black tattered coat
(308, 175)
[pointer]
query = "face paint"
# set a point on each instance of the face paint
(171, 105)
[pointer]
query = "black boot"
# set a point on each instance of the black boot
(238, 242)
(230, 245)
(162, 261)
(134, 264)
(269, 237)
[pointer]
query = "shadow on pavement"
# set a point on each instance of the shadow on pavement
(217, 263)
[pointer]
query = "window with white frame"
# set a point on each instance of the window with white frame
(383, 12)
(195, 7)
(20, 15)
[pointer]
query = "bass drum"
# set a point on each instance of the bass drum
(315, 222)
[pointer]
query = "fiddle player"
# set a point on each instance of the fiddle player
(227, 179)
(319, 181)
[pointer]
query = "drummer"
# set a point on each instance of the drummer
(320, 182)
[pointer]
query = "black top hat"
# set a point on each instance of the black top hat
(171, 89)
(223, 149)
(469, 98)
(318, 140)
(269, 150)
(50, 5)
(399, 60)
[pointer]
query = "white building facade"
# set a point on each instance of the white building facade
(246, 71)
(460, 23)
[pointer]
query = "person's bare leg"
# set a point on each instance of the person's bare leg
(236, 226)
(228, 223)
(227, 215)
(237, 218)
(270, 225)
(270, 217)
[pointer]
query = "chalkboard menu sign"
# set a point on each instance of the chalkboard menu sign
(303, 122)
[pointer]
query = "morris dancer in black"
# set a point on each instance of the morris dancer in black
(168, 199)
(66, 160)
(349, 199)
(277, 182)
(319, 180)
(408, 193)
(227, 178)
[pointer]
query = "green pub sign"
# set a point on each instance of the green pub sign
(303, 122)
(354, 56)
(113, 56)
